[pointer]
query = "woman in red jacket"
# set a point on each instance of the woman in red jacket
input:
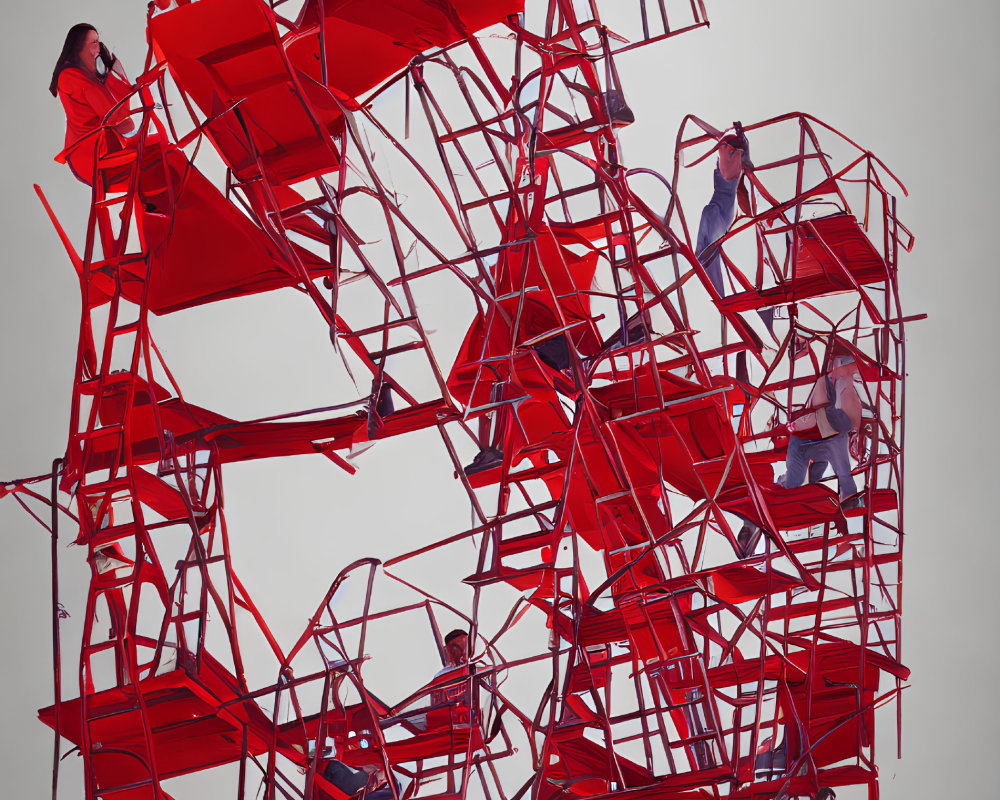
(88, 94)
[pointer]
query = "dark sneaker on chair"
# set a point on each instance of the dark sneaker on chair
(485, 459)
(746, 541)
(383, 400)
(379, 407)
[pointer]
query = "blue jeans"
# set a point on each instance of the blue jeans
(804, 454)
(716, 217)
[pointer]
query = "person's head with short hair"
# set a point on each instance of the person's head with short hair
(826, 793)
(456, 645)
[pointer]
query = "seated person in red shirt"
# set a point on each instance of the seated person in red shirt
(90, 81)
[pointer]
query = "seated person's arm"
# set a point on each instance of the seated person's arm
(849, 400)
(95, 97)
(126, 125)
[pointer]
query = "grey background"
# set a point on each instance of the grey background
(916, 82)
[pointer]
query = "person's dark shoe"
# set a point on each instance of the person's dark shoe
(742, 373)
(487, 458)
(854, 501)
(618, 109)
(155, 203)
(636, 331)
(554, 352)
(383, 400)
(746, 541)
(379, 407)
(771, 763)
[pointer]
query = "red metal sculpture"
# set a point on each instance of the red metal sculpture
(688, 622)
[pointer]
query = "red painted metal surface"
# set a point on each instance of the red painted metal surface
(705, 631)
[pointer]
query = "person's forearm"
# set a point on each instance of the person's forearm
(724, 197)
(718, 215)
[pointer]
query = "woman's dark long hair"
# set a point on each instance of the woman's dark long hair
(70, 55)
